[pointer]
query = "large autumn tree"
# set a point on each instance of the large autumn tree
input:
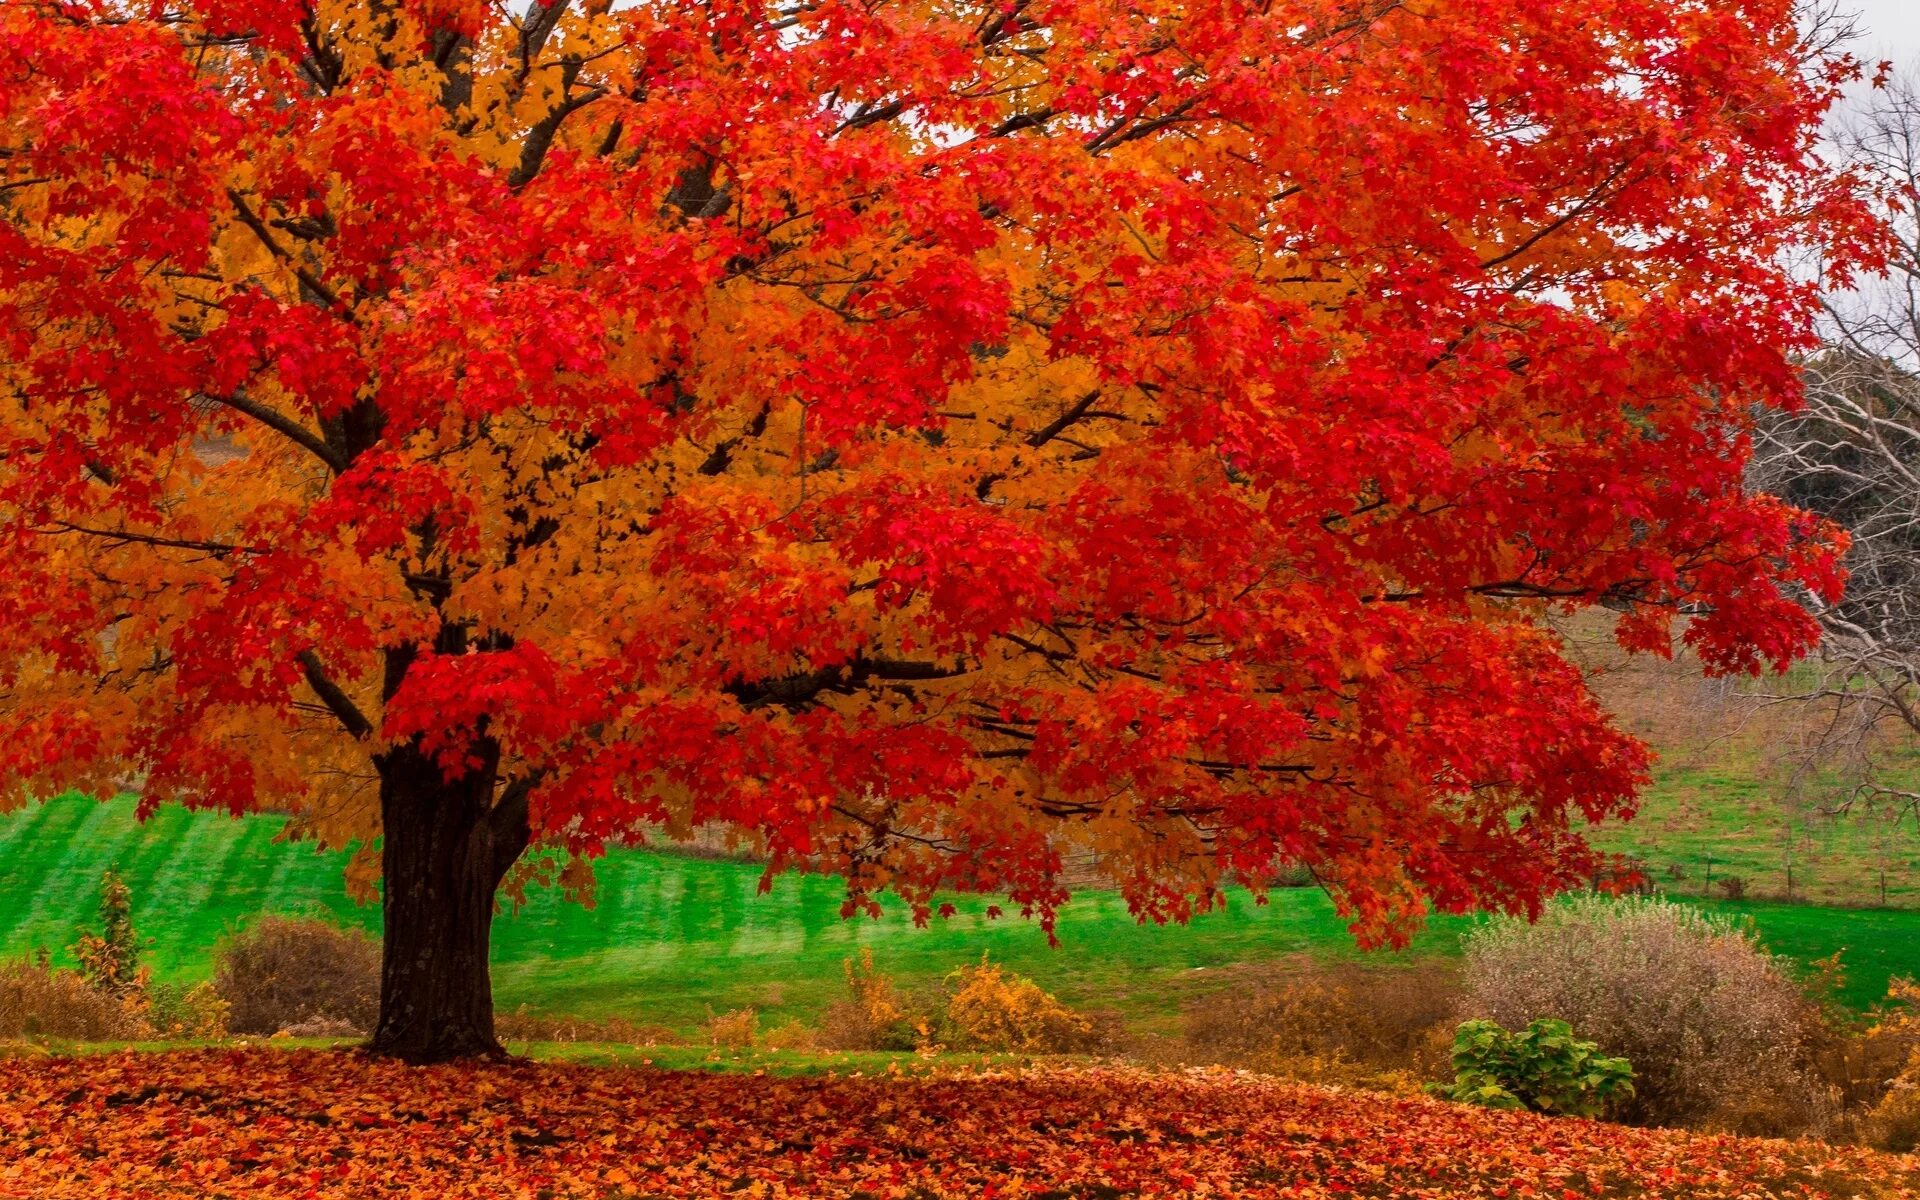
(933, 439)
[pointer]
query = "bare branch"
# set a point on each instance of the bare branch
(1852, 455)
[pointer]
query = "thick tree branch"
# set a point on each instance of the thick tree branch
(337, 701)
(1054, 429)
(307, 278)
(722, 456)
(288, 428)
(800, 689)
(541, 20)
(509, 824)
(533, 152)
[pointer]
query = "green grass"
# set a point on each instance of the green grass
(612, 1054)
(1742, 787)
(675, 938)
(1874, 944)
(670, 940)
(774, 1062)
(1721, 815)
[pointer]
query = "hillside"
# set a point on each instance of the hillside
(1755, 791)
(673, 938)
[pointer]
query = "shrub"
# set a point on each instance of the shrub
(39, 1000)
(1894, 1122)
(110, 959)
(179, 1011)
(738, 1029)
(874, 1015)
(1873, 1067)
(20, 1048)
(1384, 1028)
(789, 1035)
(285, 970)
(1106, 1032)
(1732, 887)
(990, 1008)
(1543, 1068)
(1894, 1028)
(1715, 1027)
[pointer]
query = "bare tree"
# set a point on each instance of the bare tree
(1853, 455)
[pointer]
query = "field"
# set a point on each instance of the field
(1722, 814)
(263, 1123)
(1737, 794)
(674, 938)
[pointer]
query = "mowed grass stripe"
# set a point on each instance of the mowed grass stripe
(48, 914)
(27, 861)
(176, 906)
(677, 938)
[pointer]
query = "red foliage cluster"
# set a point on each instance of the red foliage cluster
(309, 1124)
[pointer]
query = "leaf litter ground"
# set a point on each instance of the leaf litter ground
(268, 1123)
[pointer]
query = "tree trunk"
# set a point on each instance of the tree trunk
(446, 845)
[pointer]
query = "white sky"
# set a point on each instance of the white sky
(1889, 29)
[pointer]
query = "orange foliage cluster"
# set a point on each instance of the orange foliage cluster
(312, 1124)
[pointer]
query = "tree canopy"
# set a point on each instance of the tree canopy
(935, 440)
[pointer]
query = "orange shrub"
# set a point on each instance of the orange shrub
(735, 1030)
(874, 1015)
(990, 1008)
(1885, 1075)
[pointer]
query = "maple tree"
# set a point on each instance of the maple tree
(933, 440)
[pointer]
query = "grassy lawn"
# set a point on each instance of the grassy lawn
(693, 935)
(673, 939)
(670, 939)
(1734, 791)
(1721, 816)
(669, 1057)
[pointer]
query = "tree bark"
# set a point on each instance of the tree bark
(446, 846)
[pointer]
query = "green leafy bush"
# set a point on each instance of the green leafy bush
(1543, 1068)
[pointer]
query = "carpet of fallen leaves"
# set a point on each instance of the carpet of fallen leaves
(269, 1123)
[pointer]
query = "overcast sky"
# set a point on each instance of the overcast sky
(1891, 29)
